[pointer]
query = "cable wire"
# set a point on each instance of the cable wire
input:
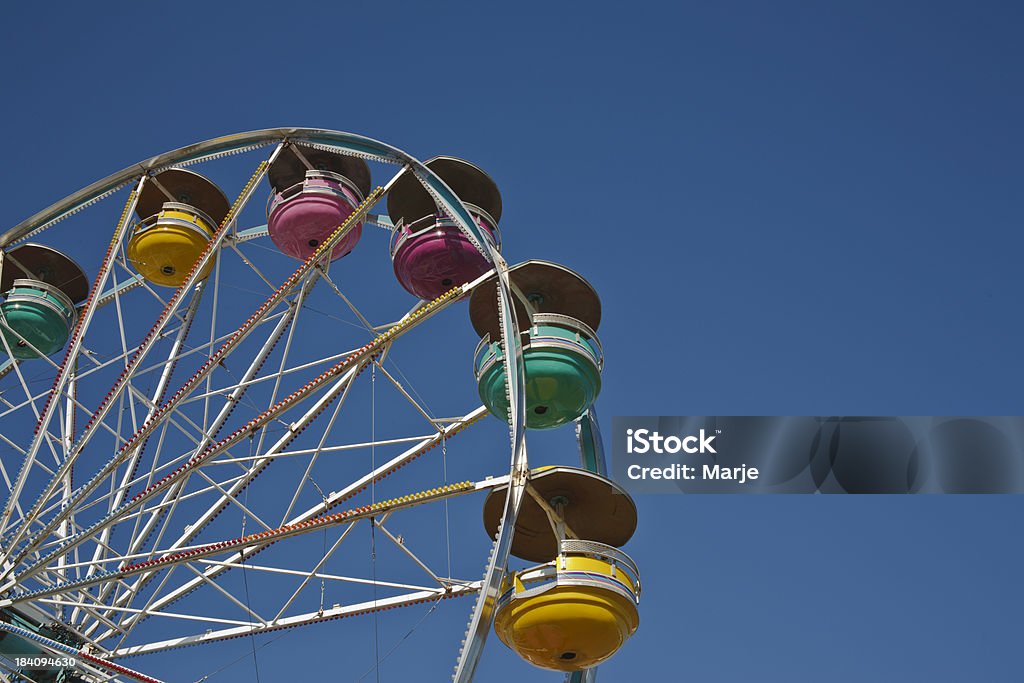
(373, 520)
(245, 578)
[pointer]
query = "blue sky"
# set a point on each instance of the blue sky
(787, 208)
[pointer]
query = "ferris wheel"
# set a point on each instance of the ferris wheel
(199, 409)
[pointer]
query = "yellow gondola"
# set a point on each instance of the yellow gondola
(180, 212)
(573, 613)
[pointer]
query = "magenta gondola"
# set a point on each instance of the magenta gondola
(429, 252)
(314, 193)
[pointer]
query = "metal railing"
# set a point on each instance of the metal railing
(156, 219)
(37, 291)
(277, 199)
(405, 232)
(605, 553)
(578, 338)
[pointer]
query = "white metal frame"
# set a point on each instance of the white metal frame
(100, 552)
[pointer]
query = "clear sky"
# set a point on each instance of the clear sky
(787, 208)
